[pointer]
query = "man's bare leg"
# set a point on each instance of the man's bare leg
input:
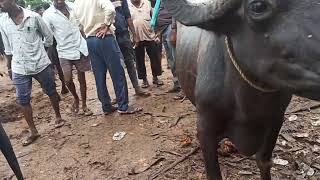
(72, 89)
(55, 104)
(83, 91)
(28, 114)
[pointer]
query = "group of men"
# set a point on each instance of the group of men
(98, 34)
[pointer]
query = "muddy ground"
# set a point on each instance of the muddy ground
(156, 138)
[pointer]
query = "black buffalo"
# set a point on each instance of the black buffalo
(240, 62)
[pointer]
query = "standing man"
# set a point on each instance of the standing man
(72, 50)
(53, 56)
(22, 31)
(122, 22)
(164, 29)
(97, 17)
(141, 16)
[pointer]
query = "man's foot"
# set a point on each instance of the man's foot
(145, 84)
(64, 90)
(114, 101)
(174, 90)
(157, 82)
(113, 109)
(140, 92)
(130, 110)
(29, 140)
(179, 96)
(59, 123)
(86, 112)
(75, 107)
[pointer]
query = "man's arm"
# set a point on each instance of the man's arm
(127, 15)
(7, 50)
(109, 11)
(173, 37)
(109, 16)
(45, 31)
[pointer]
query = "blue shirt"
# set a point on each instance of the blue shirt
(122, 14)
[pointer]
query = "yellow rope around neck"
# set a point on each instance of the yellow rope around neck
(243, 76)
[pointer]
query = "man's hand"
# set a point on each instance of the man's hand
(135, 40)
(173, 37)
(102, 32)
(157, 40)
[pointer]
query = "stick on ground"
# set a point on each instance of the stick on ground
(164, 170)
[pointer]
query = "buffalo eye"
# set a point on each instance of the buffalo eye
(259, 9)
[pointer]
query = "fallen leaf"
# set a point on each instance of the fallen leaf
(315, 123)
(95, 125)
(317, 166)
(118, 136)
(293, 118)
(245, 173)
(281, 162)
(316, 148)
(301, 135)
(310, 172)
(186, 142)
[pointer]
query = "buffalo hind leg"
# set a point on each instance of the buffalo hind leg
(209, 145)
(6, 148)
(264, 155)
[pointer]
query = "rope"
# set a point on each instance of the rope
(243, 76)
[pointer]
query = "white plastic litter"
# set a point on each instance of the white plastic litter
(119, 136)
(281, 162)
(293, 118)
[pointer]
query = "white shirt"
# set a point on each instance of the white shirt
(24, 43)
(94, 13)
(70, 43)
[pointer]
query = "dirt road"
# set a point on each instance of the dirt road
(160, 135)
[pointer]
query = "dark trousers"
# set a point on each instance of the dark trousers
(155, 60)
(129, 56)
(106, 56)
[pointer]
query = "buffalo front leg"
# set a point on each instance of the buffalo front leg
(209, 144)
(264, 155)
(6, 149)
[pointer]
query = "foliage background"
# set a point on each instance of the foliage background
(34, 3)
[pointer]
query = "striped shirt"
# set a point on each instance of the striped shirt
(24, 43)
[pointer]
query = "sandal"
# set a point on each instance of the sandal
(130, 110)
(140, 92)
(30, 140)
(174, 90)
(86, 112)
(179, 96)
(158, 82)
(145, 84)
(59, 124)
(75, 108)
(113, 109)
